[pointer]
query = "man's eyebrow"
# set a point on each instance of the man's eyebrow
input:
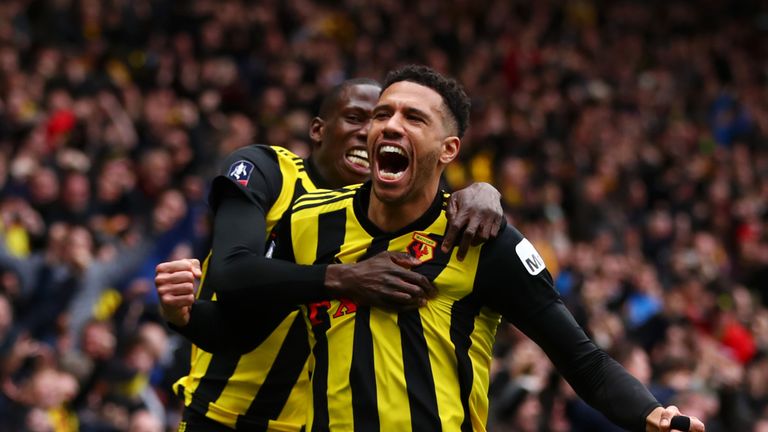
(356, 108)
(418, 112)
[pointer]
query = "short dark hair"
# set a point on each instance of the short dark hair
(329, 101)
(454, 96)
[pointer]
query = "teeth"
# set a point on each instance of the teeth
(358, 161)
(391, 149)
(391, 176)
(386, 174)
(359, 153)
(358, 157)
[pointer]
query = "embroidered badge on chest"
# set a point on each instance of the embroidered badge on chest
(422, 247)
(241, 171)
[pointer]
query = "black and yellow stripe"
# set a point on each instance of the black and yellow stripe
(267, 388)
(424, 369)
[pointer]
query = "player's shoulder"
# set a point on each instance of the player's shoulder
(265, 158)
(262, 152)
(508, 238)
(511, 245)
(291, 165)
(284, 153)
(245, 159)
(323, 200)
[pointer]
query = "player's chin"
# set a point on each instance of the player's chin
(355, 166)
(391, 189)
(388, 196)
(356, 175)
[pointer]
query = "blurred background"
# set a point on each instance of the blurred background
(629, 140)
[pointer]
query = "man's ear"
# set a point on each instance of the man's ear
(316, 131)
(451, 147)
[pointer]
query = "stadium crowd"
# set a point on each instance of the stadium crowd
(629, 141)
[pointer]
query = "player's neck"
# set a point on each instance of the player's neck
(319, 177)
(391, 217)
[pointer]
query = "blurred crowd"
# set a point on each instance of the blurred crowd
(629, 141)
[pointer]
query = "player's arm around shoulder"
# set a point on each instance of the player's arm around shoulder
(384, 280)
(474, 216)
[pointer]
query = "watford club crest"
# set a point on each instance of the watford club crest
(422, 247)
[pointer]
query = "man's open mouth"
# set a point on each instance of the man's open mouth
(392, 162)
(358, 157)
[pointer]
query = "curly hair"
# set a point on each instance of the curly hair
(453, 94)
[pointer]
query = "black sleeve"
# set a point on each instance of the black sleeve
(513, 280)
(251, 289)
(254, 293)
(218, 328)
(239, 272)
(208, 327)
(252, 171)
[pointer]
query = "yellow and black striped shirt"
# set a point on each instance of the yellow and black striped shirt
(266, 388)
(428, 369)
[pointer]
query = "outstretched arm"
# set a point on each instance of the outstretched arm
(531, 303)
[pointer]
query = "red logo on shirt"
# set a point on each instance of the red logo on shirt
(345, 307)
(422, 247)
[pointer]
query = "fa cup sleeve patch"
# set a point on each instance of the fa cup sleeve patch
(240, 172)
(530, 257)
